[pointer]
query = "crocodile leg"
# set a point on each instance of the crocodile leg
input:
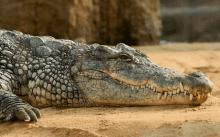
(11, 105)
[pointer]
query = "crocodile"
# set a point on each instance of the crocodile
(41, 71)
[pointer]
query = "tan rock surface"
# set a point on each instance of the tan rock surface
(172, 121)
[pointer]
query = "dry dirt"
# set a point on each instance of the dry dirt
(166, 121)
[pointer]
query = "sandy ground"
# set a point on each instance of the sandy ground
(166, 121)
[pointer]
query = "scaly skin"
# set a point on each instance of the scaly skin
(47, 72)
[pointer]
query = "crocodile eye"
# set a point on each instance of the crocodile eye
(125, 57)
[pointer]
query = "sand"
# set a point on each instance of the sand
(166, 121)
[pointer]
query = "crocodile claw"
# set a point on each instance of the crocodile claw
(15, 107)
(23, 112)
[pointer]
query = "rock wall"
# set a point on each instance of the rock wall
(133, 22)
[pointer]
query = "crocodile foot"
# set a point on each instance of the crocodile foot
(12, 106)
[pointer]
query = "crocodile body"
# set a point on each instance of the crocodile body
(44, 71)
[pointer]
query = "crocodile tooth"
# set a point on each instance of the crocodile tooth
(208, 94)
(138, 87)
(185, 92)
(181, 87)
(170, 93)
(132, 87)
(159, 95)
(151, 86)
(191, 96)
(198, 96)
(142, 86)
(121, 82)
(178, 91)
(154, 89)
(194, 94)
(165, 94)
(174, 91)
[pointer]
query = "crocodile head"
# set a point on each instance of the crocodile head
(122, 75)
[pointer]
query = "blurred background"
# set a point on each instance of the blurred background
(134, 22)
(191, 20)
